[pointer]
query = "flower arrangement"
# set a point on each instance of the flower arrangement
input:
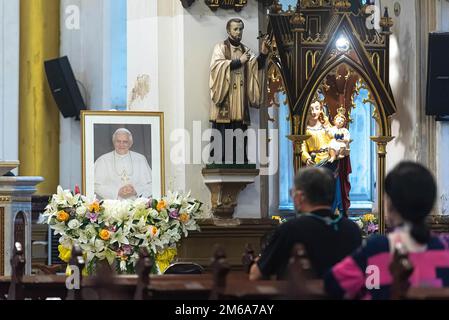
(368, 224)
(280, 219)
(114, 230)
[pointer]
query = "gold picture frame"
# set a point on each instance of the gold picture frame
(147, 129)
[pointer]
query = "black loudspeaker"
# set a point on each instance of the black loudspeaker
(64, 88)
(438, 76)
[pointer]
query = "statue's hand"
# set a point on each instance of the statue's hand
(310, 163)
(245, 57)
(266, 46)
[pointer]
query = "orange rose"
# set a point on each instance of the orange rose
(161, 205)
(105, 235)
(184, 217)
(95, 207)
(62, 216)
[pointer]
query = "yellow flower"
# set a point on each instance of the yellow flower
(165, 258)
(184, 217)
(68, 272)
(95, 207)
(369, 218)
(105, 235)
(278, 218)
(62, 216)
(161, 205)
(64, 253)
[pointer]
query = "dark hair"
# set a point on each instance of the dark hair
(318, 185)
(412, 190)
(236, 20)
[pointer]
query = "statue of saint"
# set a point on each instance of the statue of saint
(235, 84)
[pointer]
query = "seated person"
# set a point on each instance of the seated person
(410, 195)
(326, 237)
(339, 145)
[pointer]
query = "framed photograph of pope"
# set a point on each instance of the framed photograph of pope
(123, 154)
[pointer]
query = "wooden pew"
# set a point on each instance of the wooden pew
(16, 290)
(401, 269)
(303, 283)
(427, 294)
(220, 284)
(220, 269)
(161, 287)
(248, 258)
(143, 270)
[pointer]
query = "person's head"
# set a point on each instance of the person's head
(410, 191)
(235, 27)
(314, 189)
(122, 140)
(339, 120)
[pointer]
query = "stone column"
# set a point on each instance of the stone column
(15, 218)
(381, 169)
(39, 116)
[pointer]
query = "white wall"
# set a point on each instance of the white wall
(9, 79)
(171, 85)
(88, 49)
(404, 76)
(142, 37)
(443, 129)
(403, 83)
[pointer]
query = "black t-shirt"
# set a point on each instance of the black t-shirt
(326, 244)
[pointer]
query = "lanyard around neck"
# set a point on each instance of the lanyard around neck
(327, 220)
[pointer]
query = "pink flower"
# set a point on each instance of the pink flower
(126, 249)
(92, 216)
(174, 213)
(372, 228)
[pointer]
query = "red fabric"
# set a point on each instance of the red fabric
(344, 170)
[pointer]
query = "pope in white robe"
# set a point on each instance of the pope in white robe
(122, 174)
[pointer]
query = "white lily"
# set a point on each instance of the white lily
(120, 237)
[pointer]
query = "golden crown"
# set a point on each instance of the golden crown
(341, 111)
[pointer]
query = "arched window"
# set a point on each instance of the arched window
(363, 175)
(119, 53)
(286, 169)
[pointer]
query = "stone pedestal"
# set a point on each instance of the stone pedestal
(15, 218)
(225, 186)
